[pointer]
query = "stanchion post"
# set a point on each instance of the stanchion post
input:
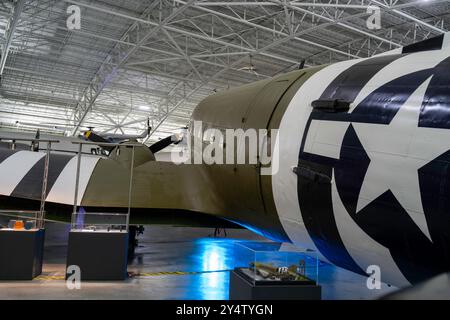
(130, 188)
(77, 182)
(41, 218)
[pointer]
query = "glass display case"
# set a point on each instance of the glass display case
(267, 263)
(21, 244)
(20, 220)
(98, 245)
(99, 221)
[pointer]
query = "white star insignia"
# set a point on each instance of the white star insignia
(396, 152)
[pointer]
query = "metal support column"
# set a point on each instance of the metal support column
(77, 182)
(41, 218)
(130, 189)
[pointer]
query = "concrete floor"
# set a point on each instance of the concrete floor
(169, 249)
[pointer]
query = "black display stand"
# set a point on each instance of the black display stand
(243, 289)
(101, 255)
(21, 254)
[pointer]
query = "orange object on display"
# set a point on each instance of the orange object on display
(19, 225)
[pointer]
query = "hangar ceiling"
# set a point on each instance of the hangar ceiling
(138, 59)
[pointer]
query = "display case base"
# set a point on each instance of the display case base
(242, 289)
(99, 255)
(21, 254)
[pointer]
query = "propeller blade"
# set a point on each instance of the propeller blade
(164, 143)
(302, 64)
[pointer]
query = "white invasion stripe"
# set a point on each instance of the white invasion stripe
(64, 188)
(389, 53)
(325, 138)
(363, 249)
(15, 167)
(287, 147)
(446, 41)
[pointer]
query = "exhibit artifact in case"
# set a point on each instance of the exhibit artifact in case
(83, 221)
(272, 263)
(21, 220)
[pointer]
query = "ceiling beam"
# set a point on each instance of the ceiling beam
(118, 57)
(407, 16)
(211, 39)
(18, 8)
(215, 76)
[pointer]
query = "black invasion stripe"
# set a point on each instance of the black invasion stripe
(5, 154)
(349, 83)
(425, 45)
(30, 187)
(315, 198)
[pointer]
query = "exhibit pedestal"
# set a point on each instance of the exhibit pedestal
(243, 289)
(21, 254)
(99, 255)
